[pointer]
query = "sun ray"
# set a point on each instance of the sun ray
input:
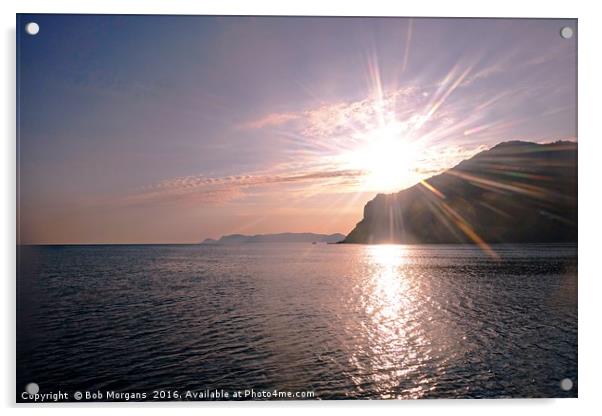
(406, 52)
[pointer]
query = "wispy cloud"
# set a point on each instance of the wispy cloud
(274, 119)
(341, 117)
(217, 190)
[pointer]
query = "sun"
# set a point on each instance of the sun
(388, 159)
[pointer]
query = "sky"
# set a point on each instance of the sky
(173, 129)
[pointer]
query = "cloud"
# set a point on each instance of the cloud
(202, 196)
(270, 120)
(218, 190)
(341, 117)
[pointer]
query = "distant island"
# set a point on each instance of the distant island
(515, 192)
(277, 238)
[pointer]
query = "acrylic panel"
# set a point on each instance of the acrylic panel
(295, 208)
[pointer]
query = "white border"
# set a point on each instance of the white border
(590, 200)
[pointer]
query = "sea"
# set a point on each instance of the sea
(297, 321)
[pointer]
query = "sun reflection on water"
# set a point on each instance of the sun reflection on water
(393, 330)
(388, 283)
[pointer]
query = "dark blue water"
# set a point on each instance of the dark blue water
(340, 321)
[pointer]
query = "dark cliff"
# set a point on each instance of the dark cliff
(515, 192)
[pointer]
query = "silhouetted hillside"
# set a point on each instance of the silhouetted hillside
(516, 192)
(277, 238)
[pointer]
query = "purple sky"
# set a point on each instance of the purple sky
(164, 129)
